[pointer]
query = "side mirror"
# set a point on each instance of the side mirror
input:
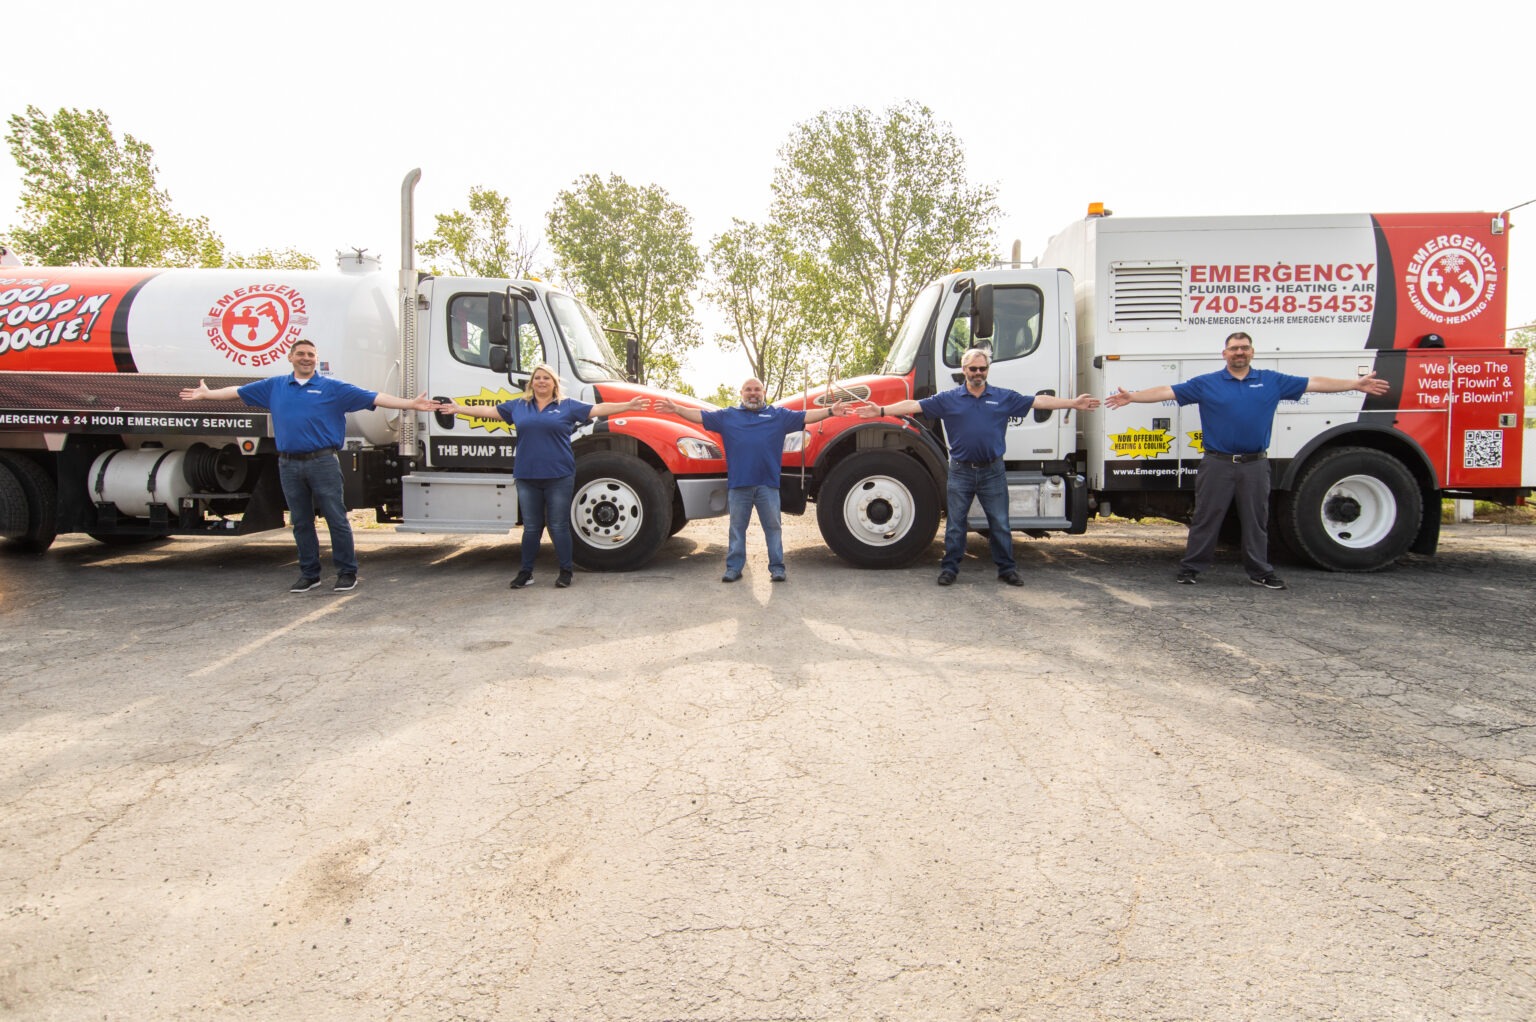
(632, 358)
(498, 321)
(981, 311)
(498, 329)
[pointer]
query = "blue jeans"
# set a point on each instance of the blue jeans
(989, 483)
(741, 500)
(311, 485)
(546, 502)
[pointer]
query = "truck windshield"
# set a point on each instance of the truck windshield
(584, 339)
(904, 349)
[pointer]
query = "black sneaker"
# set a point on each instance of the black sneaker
(946, 578)
(564, 581)
(1188, 578)
(345, 582)
(304, 584)
(776, 577)
(523, 580)
(1012, 578)
(1269, 581)
(731, 576)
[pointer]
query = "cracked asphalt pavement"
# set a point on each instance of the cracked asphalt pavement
(855, 795)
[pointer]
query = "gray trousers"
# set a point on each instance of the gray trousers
(1218, 484)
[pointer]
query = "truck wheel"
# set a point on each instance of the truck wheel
(42, 504)
(13, 506)
(1353, 509)
(621, 513)
(878, 510)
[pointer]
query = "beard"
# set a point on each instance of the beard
(753, 405)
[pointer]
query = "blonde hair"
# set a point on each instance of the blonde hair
(550, 371)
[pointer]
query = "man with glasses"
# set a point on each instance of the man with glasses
(1237, 415)
(975, 418)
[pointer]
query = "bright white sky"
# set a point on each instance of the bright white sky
(292, 124)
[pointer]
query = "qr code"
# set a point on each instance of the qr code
(1484, 449)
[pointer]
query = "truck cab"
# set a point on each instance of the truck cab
(639, 479)
(879, 484)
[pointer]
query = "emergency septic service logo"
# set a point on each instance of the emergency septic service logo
(1452, 278)
(256, 325)
(488, 400)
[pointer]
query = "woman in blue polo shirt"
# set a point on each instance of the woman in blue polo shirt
(545, 464)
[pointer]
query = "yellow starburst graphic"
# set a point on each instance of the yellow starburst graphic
(487, 399)
(1197, 440)
(1140, 443)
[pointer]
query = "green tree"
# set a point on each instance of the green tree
(881, 205)
(481, 242)
(88, 198)
(724, 396)
(784, 315)
(1525, 337)
(628, 252)
(273, 259)
(754, 285)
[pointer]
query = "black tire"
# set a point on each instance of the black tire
(42, 504)
(878, 509)
(13, 506)
(1353, 509)
(621, 512)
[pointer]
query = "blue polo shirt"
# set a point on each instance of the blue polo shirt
(754, 442)
(307, 416)
(1238, 416)
(544, 437)
(977, 427)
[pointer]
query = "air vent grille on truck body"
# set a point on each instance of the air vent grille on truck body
(1146, 296)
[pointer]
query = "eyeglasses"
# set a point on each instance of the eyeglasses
(975, 369)
(1239, 347)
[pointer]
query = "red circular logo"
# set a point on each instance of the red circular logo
(255, 323)
(255, 326)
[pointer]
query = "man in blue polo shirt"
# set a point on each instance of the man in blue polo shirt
(309, 415)
(975, 418)
(1237, 415)
(753, 433)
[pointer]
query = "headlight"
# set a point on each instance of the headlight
(701, 450)
(794, 443)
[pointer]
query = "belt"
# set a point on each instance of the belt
(1236, 459)
(975, 464)
(305, 455)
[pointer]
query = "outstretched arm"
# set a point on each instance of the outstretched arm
(634, 404)
(202, 393)
(908, 407)
(1370, 383)
(1149, 396)
(472, 411)
(1050, 402)
(422, 403)
(667, 406)
(817, 414)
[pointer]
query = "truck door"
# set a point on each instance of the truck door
(458, 367)
(1026, 357)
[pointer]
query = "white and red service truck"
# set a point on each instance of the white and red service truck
(1115, 302)
(94, 437)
